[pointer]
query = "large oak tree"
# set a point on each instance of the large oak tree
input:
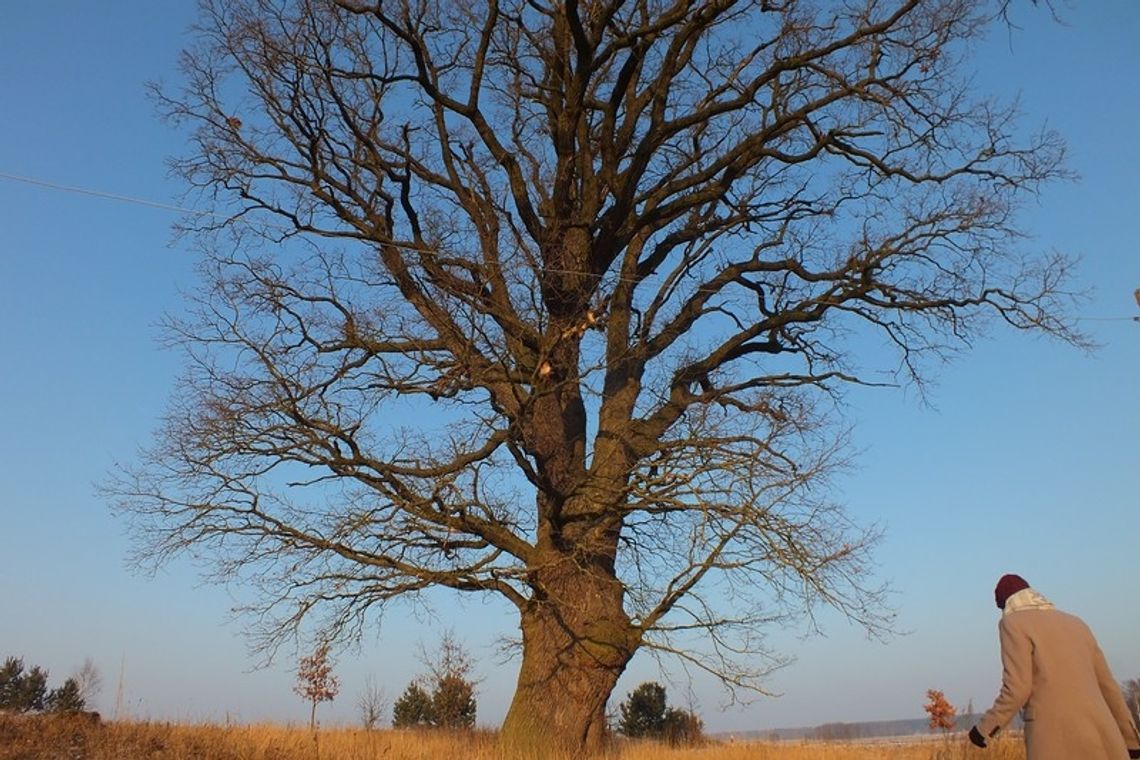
(555, 299)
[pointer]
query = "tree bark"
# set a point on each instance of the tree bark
(577, 640)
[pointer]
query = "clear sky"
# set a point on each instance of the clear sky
(1027, 459)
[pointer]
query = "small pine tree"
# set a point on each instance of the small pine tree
(20, 690)
(414, 708)
(453, 703)
(643, 711)
(682, 728)
(34, 689)
(67, 698)
(11, 683)
(315, 681)
(450, 703)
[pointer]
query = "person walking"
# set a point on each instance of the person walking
(1054, 672)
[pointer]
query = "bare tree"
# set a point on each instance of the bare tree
(372, 702)
(90, 681)
(555, 301)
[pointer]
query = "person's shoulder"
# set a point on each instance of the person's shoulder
(1072, 620)
(1046, 619)
(1010, 622)
(1028, 618)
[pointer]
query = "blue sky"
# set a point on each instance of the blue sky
(1026, 459)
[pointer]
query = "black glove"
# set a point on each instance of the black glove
(976, 738)
(1134, 753)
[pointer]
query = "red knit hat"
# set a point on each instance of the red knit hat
(1008, 586)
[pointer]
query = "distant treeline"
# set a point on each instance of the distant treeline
(849, 731)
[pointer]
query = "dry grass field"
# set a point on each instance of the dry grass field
(62, 739)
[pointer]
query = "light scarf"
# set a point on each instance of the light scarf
(1026, 599)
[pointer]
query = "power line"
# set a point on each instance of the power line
(49, 185)
(101, 194)
(1108, 319)
(182, 209)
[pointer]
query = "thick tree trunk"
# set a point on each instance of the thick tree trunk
(577, 640)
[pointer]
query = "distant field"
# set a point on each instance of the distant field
(55, 739)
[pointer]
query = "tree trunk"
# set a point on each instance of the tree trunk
(577, 640)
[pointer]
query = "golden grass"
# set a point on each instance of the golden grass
(23, 738)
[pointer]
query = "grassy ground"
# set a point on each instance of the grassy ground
(63, 739)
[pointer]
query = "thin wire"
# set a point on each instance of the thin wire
(182, 209)
(1108, 319)
(101, 194)
(171, 207)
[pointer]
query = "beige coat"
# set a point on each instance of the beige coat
(1053, 670)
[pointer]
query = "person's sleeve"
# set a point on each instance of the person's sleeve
(1016, 679)
(1111, 692)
